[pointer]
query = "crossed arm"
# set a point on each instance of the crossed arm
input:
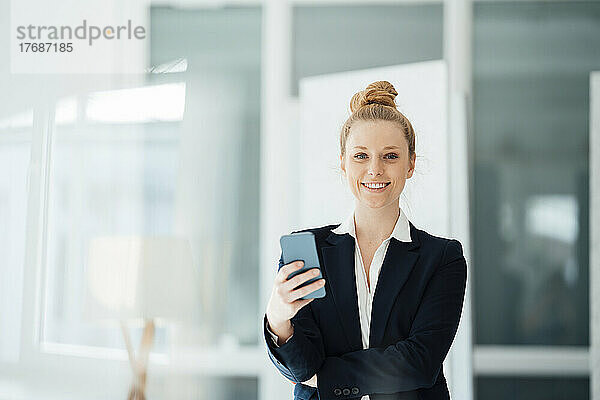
(408, 364)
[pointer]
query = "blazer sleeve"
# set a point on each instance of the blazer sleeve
(412, 363)
(301, 356)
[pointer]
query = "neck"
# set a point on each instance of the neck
(376, 224)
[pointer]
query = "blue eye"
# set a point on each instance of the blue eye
(360, 156)
(391, 155)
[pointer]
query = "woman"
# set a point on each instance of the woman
(394, 292)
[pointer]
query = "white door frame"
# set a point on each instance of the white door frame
(595, 235)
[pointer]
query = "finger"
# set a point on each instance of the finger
(304, 290)
(302, 303)
(299, 279)
(287, 269)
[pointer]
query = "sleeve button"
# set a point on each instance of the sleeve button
(337, 392)
(355, 390)
(346, 392)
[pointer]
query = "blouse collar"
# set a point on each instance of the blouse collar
(400, 232)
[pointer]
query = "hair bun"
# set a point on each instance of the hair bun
(380, 92)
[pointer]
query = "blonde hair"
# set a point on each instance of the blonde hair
(376, 103)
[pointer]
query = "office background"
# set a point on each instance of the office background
(184, 148)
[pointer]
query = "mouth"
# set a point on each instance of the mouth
(375, 187)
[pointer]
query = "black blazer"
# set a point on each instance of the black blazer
(416, 310)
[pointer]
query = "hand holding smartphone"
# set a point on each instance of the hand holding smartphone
(302, 247)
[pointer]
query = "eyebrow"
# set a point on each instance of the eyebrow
(385, 148)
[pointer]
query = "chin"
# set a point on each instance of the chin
(373, 204)
(378, 203)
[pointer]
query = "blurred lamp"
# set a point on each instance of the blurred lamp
(145, 278)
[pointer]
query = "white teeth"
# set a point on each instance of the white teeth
(374, 185)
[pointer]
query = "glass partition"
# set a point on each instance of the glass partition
(337, 38)
(15, 151)
(530, 212)
(532, 388)
(177, 154)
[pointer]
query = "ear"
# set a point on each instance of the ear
(411, 169)
(342, 166)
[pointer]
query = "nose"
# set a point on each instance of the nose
(375, 167)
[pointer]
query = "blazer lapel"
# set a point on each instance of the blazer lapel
(339, 266)
(399, 261)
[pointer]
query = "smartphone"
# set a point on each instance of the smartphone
(302, 247)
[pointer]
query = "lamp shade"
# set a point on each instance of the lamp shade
(140, 277)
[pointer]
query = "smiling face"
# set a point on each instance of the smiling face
(376, 163)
